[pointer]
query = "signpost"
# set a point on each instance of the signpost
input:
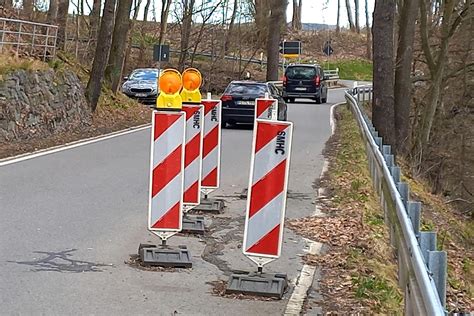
(290, 49)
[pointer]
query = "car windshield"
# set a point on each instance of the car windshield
(144, 75)
(246, 88)
(301, 72)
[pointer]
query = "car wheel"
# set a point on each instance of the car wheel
(291, 100)
(224, 124)
(286, 100)
(324, 100)
(318, 100)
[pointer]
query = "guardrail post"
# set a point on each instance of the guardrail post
(18, 39)
(404, 191)
(427, 243)
(378, 140)
(437, 263)
(3, 35)
(388, 160)
(396, 173)
(33, 39)
(386, 149)
(414, 212)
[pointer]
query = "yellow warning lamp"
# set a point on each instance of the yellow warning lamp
(170, 83)
(192, 80)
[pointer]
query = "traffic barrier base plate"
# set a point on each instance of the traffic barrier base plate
(211, 206)
(261, 284)
(165, 256)
(193, 225)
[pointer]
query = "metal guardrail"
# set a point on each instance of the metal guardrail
(23, 35)
(422, 271)
(333, 74)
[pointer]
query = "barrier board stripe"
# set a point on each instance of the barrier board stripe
(211, 142)
(264, 137)
(193, 149)
(210, 179)
(264, 220)
(192, 193)
(267, 188)
(192, 168)
(170, 139)
(163, 125)
(207, 164)
(170, 219)
(269, 244)
(166, 170)
(165, 200)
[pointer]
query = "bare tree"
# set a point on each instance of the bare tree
(95, 19)
(349, 15)
(63, 8)
(338, 27)
(369, 32)
(52, 11)
(296, 20)
(101, 54)
(402, 88)
(146, 10)
(277, 17)
(8, 4)
(228, 36)
(448, 24)
(143, 33)
(188, 7)
(356, 6)
(113, 71)
(261, 10)
(165, 11)
(383, 102)
(136, 9)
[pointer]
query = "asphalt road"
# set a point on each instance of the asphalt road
(69, 220)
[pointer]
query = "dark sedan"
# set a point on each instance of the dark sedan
(142, 85)
(238, 101)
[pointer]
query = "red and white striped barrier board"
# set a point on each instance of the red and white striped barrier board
(167, 171)
(266, 109)
(211, 153)
(266, 201)
(193, 154)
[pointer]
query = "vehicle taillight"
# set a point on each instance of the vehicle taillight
(226, 97)
(317, 80)
(285, 80)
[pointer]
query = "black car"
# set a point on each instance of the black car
(238, 101)
(305, 81)
(142, 85)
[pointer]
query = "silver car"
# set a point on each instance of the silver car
(142, 85)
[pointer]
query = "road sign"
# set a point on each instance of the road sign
(193, 155)
(170, 83)
(266, 108)
(161, 53)
(211, 153)
(191, 83)
(291, 48)
(327, 50)
(266, 200)
(166, 173)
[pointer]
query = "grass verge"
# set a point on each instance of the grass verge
(358, 271)
(353, 69)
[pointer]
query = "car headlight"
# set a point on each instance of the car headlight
(126, 88)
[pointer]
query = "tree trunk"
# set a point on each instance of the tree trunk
(383, 102)
(28, 9)
(349, 15)
(52, 11)
(278, 9)
(138, 3)
(101, 54)
(147, 9)
(95, 19)
(369, 33)
(185, 32)
(338, 27)
(262, 7)
(402, 89)
(63, 8)
(228, 36)
(165, 10)
(296, 20)
(357, 25)
(113, 72)
(8, 4)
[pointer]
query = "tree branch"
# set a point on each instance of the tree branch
(424, 37)
(459, 18)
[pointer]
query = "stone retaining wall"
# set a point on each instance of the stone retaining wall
(41, 103)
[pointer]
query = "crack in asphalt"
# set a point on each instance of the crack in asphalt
(59, 262)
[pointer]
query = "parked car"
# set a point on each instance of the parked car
(305, 81)
(142, 85)
(238, 101)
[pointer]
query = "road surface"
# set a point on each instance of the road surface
(70, 219)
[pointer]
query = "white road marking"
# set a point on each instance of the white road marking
(305, 279)
(71, 145)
